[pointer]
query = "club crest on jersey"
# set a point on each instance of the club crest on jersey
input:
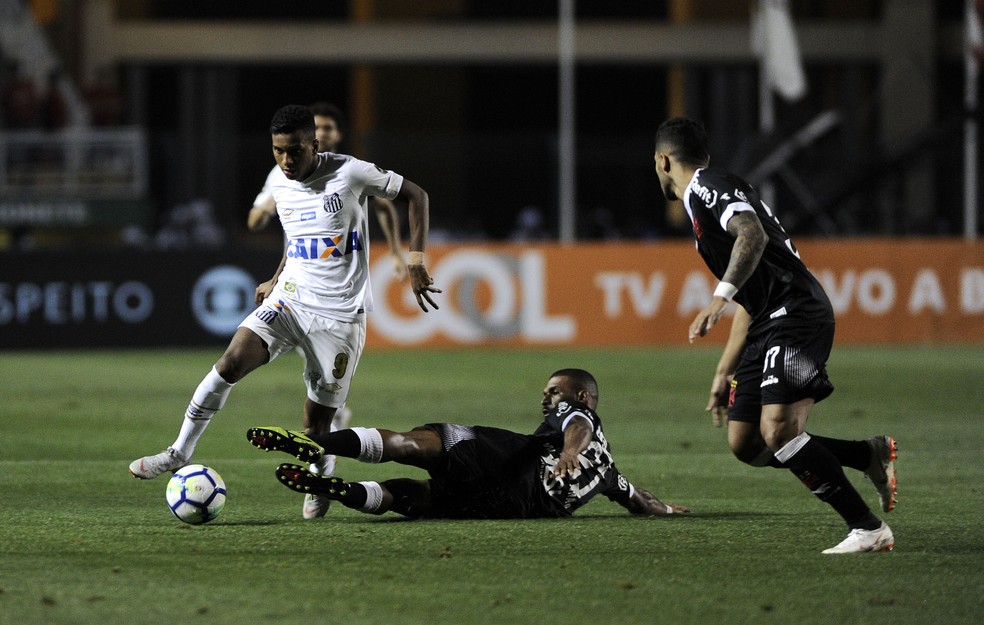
(333, 203)
(563, 407)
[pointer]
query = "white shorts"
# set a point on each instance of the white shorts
(330, 348)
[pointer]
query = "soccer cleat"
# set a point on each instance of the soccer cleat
(316, 506)
(149, 467)
(296, 477)
(296, 444)
(861, 541)
(881, 470)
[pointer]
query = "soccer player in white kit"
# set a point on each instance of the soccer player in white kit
(328, 130)
(328, 124)
(317, 299)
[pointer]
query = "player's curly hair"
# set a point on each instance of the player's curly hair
(581, 379)
(291, 119)
(685, 139)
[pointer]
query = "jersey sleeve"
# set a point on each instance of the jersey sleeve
(266, 193)
(720, 194)
(559, 418)
(619, 490)
(730, 209)
(377, 181)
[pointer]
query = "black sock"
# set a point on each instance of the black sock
(851, 454)
(820, 471)
(341, 443)
(355, 494)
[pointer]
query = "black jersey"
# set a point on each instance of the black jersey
(491, 473)
(781, 289)
(598, 474)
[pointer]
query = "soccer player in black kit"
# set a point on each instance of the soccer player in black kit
(477, 472)
(780, 339)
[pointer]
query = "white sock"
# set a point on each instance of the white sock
(374, 497)
(208, 399)
(789, 450)
(324, 466)
(372, 444)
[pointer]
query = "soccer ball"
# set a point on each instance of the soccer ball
(196, 494)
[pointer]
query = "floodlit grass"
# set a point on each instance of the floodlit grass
(83, 542)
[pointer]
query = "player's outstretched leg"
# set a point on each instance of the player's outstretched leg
(862, 540)
(296, 444)
(881, 470)
(149, 467)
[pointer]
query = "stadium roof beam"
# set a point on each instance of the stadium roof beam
(110, 41)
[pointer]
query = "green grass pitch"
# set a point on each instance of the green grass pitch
(83, 542)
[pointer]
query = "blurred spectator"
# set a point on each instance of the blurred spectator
(104, 99)
(190, 225)
(529, 225)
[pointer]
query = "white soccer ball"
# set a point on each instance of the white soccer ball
(196, 494)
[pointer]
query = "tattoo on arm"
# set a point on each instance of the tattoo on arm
(750, 240)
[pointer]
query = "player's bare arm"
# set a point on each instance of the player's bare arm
(644, 503)
(263, 290)
(577, 437)
(717, 403)
(750, 241)
(260, 214)
(390, 225)
(418, 204)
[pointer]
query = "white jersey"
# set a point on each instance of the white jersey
(266, 192)
(324, 220)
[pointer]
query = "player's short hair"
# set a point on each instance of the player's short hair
(291, 119)
(685, 139)
(582, 380)
(327, 109)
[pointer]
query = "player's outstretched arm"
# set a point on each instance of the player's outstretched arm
(419, 206)
(644, 503)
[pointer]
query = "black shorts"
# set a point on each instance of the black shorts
(781, 367)
(490, 473)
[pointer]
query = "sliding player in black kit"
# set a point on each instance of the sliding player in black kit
(477, 472)
(773, 368)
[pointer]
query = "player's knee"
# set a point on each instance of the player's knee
(402, 446)
(417, 447)
(229, 368)
(745, 453)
